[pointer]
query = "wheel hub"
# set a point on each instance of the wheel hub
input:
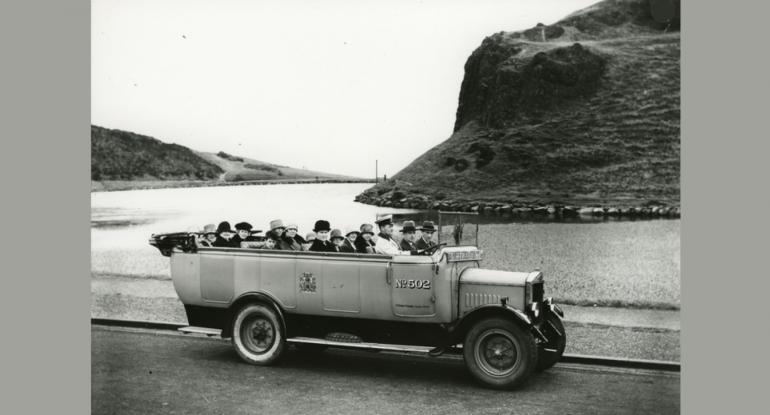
(496, 353)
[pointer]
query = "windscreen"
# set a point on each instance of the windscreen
(458, 228)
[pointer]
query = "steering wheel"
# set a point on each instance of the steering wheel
(432, 250)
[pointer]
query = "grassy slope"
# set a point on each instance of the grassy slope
(616, 143)
(123, 160)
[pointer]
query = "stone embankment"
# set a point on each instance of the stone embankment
(522, 209)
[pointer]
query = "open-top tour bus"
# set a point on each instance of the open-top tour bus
(443, 301)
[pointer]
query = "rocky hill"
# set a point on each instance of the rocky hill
(582, 112)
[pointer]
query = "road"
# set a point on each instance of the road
(142, 372)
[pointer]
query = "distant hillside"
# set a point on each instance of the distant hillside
(584, 111)
(123, 155)
(124, 160)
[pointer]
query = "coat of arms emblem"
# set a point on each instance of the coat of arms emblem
(307, 282)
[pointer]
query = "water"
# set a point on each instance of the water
(605, 262)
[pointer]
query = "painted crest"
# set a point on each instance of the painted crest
(307, 282)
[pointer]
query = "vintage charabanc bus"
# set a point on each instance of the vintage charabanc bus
(441, 301)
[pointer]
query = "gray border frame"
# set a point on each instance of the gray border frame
(45, 95)
(45, 81)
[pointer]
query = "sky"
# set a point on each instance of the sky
(325, 85)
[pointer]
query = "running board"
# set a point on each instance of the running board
(200, 330)
(362, 345)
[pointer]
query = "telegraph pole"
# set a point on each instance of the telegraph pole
(376, 173)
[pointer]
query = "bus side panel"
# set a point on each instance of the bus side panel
(375, 291)
(278, 278)
(217, 278)
(185, 276)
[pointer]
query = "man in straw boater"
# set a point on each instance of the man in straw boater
(321, 242)
(410, 234)
(426, 238)
(364, 243)
(385, 243)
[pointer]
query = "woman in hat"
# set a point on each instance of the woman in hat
(410, 234)
(225, 236)
(338, 241)
(244, 233)
(364, 243)
(426, 238)
(309, 238)
(350, 240)
(321, 242)
(276, 228)
(208, 236)
(290, 241)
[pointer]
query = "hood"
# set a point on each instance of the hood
(480, 276)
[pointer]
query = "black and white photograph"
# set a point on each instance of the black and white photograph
(411, 206)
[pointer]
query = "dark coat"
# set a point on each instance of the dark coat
(347, 246)
(408, 246)
(421, 244)
(234, 242)
(362, 244)
(288, 244)
(322, 246)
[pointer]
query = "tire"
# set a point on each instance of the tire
(258, 335)
(500, 353)
(550, 353)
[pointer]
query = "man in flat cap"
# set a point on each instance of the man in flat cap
(426, 238)
(410, 234)
(321, 242)
(385, 243)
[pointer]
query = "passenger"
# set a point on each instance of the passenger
(385, 243)
(290, 241)
(322, 243)
(271, 242)
(309, 238)
(350, 240)
(276, 228)
(410, 234)
(364, 242)
(338, 241)
(244, 233)
(225, 236)
(209, 236)
(426, 238)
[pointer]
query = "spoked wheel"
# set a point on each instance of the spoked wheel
(258, 335)
(499, 353)
(549, 353)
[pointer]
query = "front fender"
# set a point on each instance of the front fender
(464, 324)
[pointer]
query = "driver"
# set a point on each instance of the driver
(426, 238)
(385, 243)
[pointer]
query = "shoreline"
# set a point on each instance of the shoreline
(527, 209)
(120, 185)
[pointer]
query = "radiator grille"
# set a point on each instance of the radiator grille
(537, 292)
(478, 299)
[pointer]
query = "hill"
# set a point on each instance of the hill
(123, 160)
(123, 155)
(581, 112)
